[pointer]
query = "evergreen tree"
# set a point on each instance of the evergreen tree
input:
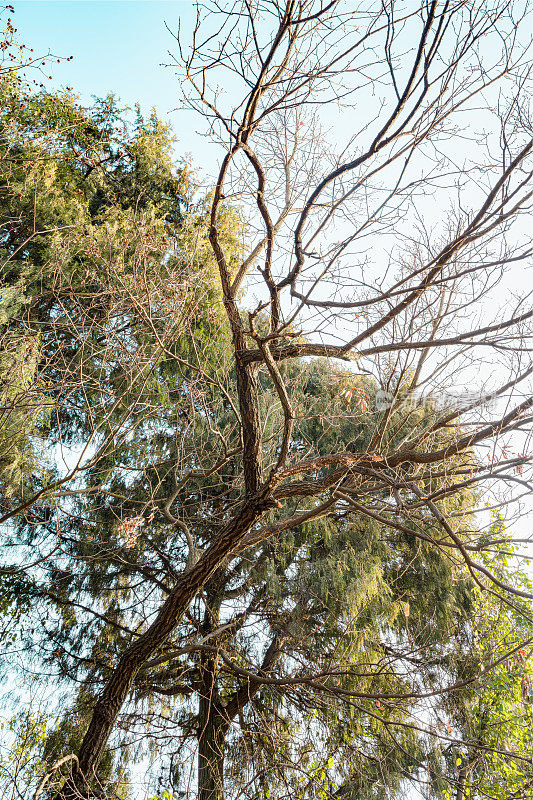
(113, 372)
(103, 247)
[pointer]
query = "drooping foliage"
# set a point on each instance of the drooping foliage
(107, 287)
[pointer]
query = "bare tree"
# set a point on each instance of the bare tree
(396, 248)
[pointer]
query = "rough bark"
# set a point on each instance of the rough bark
(212, 726)
(211, 752)
(212, 729)
(250, 422)
(215, 719)
(118, 687)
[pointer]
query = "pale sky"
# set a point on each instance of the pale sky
(118, 46)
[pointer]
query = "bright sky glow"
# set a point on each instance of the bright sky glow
(119, 46)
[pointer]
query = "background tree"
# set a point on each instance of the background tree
(494, 717)
(23, 737)
(111, 223)
(17, 348)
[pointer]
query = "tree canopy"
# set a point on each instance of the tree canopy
(250, 533)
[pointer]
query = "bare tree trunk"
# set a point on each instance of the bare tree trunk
(212, 724)
(213, 727)
(461, 781)
(251, 426)
(118, 687)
